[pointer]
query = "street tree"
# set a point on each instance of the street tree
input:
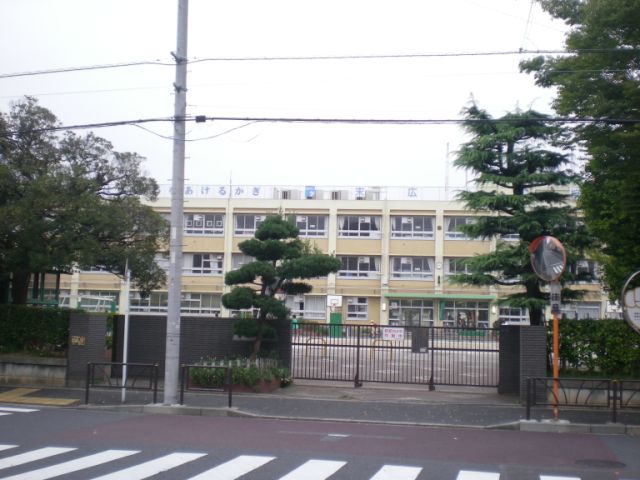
(71, 201)
(599, 79)
(522, 180)
(282, 262)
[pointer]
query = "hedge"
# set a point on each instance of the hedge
(609, 347)
(33, 329)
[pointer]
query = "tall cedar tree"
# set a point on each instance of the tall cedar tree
(68, 200)
(516, 173)
(599, 79)
(282, 260)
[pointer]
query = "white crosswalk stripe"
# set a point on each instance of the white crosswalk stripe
(32, 456)
(470, 475)
(7, 447)
(235, 468)
(152, 467)
(314, 470)
(17, 410)
(555, 477)
(73, 465)
(397, 472)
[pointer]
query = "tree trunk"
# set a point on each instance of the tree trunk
(257, 343)
(20, 287)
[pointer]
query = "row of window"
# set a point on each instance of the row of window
(403, 312)
(354, 266)
(362, 226)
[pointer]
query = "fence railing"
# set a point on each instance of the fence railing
(374, 353)
(604, 394)
(117, 375)
(187, 384)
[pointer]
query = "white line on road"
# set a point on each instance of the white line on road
(233, 469)
(18, 410)
(7, 447)
(3, 413)
(73, 465)
(554, 477)
(470, 475)
(152, 467)
(397, 472)
(32, 456)
(314, 470)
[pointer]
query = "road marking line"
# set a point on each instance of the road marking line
(314, 470)
(397, 472)
(152, 467)
(32, 456)
(554, 477)
(471, 475)
(7, 447)
(233, 469)
(19, 395)
(18, 410)
(73, 465)
(1, 414)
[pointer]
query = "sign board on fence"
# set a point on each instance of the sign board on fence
(393, 334)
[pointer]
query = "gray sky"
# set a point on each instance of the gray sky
(46, 34)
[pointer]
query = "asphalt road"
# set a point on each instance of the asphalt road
(76, 444)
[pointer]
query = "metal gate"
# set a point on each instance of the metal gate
(373, 353)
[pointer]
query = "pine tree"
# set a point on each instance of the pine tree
(521, 177)
(282, 260)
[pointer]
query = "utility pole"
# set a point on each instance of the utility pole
(172, 356)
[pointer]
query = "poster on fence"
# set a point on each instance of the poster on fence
(393, 334)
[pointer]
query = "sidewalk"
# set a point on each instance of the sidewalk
(379, 403)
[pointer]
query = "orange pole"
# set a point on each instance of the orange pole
(556, 360)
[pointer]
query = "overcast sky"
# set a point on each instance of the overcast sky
(44, 34)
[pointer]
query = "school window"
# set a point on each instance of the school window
(310, 225)
(410, 312)
(462, 313)
(412, 268)
(246, 224)
(452, 227)
(358, 226)
(456, 266)
(581, 311)
(203, 263)
(154, 302)
(359, 267)
(514, 315)
(97, 300)
(240, 259)
(307, 307)
(412, 227)
(200, 303)
(204, 223)
(357, 308)
(587, 269)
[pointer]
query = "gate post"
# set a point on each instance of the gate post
(356, 379)
(523, 354)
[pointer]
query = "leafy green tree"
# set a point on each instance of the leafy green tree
(282, 260)
(521, 179)
(599, 80)
(69, 200)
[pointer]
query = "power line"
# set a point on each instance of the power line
(303, 120)
(318, 58)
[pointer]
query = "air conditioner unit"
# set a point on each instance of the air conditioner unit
(218, 223)
(209, 223)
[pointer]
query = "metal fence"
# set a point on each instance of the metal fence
(374, 353)
(604, 394)
(120, 376)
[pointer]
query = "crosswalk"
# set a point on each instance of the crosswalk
(313, 469)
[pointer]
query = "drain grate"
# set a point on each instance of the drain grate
(595, 463)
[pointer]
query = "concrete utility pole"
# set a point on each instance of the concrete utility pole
(172, 356)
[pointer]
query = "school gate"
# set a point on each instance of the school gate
(372, 353)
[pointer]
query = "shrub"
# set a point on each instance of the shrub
(243, 372)
(42, 331)
(609, 347)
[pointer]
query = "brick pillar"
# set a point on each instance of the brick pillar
(523, 354)
(86, 345)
